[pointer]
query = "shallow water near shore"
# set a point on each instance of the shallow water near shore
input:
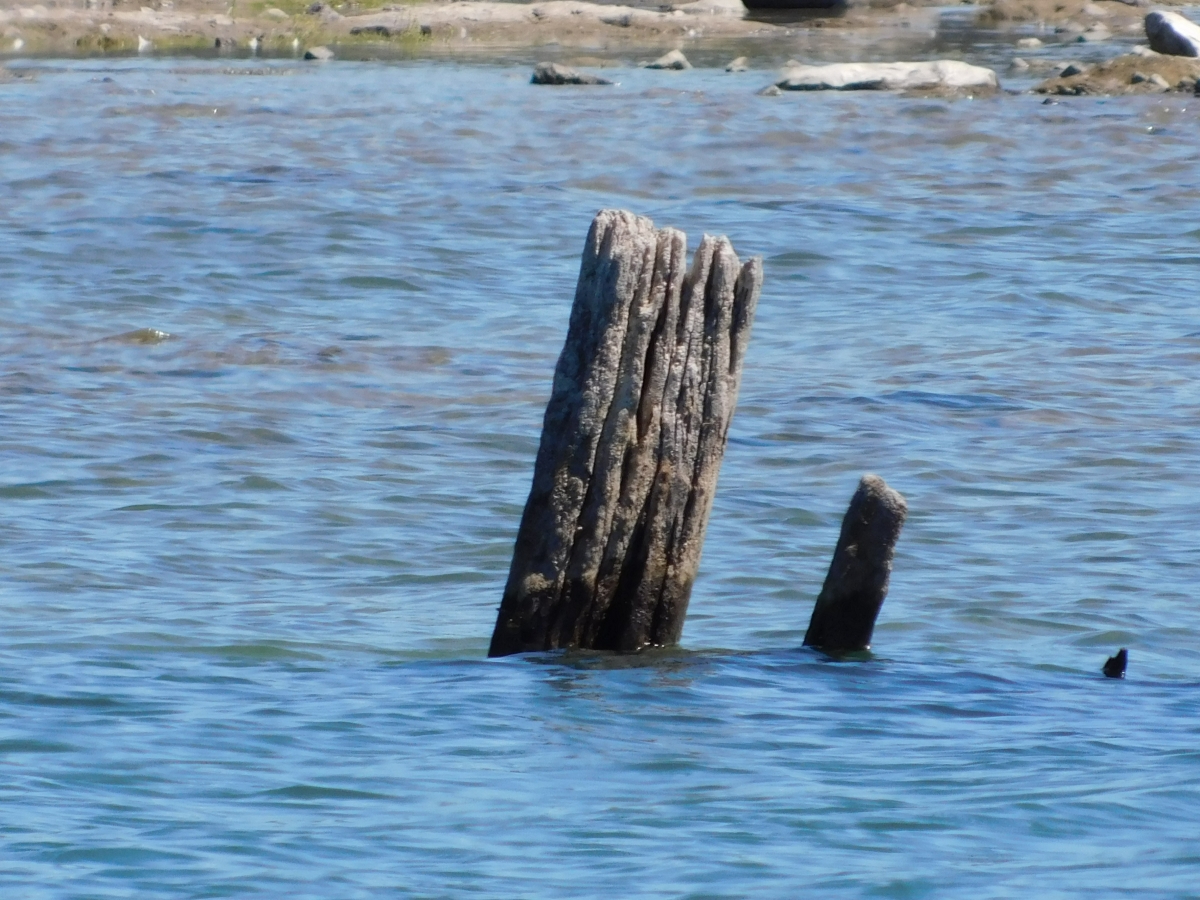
(276, 343)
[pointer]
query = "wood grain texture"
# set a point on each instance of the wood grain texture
(632, 442)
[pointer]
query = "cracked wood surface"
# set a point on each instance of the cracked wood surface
(632, 442)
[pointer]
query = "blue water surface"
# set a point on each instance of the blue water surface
(274, 347)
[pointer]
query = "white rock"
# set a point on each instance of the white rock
(1159, 81)
(144, 46)
(318, 53)
(673, 60)
(898, 76)
(1171, 33)
(741, 64)
(224, 21)
(553, 73)
(275, 13)
(1029, 43)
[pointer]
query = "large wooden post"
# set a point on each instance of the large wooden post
(632, 442)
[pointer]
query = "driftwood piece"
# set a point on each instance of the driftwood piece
(632, 442)
(857, 583)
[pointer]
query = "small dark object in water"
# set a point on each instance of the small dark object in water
(843, 618)
(1115, 667)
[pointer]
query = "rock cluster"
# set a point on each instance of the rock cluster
(1134, 73)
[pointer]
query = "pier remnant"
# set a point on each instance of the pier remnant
(857, 583)
(632, 442)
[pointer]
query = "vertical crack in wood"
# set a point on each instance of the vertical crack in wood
(632, 442)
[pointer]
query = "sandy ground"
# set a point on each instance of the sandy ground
(1145, 73)
(78, 27)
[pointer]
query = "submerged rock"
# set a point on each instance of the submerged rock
(673, 60)
(738, 65)
(318, 53)
(1172, 34)
(898, 76)
(553, 73)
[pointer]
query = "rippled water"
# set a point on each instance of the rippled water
(249, 570)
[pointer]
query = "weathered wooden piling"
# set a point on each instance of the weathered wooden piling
(857, 583)
(632, 442)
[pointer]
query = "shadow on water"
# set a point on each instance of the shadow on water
(678, 658)
(793, 12)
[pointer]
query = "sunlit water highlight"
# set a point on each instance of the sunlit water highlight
(248, 571)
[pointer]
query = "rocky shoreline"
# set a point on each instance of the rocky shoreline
(87, 27)
(586, 33)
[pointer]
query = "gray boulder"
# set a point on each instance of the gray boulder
(318, 53)
(898, 76)
(673, 60)
(553, 73)
(1172, 34)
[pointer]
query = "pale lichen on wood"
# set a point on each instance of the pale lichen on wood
(632, 442)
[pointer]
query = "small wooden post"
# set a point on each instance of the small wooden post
(857, 583)
(632, 442)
